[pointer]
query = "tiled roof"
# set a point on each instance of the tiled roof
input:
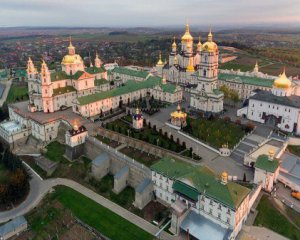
(264, 163)
(130, 72)
(247, 80)
(130, 86)
(94, 70)
(192, 181)
(63, 90)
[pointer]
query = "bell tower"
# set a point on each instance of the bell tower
(47, 90)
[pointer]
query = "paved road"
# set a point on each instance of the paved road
(284, 193)
(6, 90)
(39, 188)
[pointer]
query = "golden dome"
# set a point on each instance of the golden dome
(187, 36)
(72, 59)
(178, 114)
(224, 174)
(282, 81)
(210, 46)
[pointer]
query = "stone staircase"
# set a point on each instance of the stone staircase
(260, 134)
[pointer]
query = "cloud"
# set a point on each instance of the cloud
(145, 12)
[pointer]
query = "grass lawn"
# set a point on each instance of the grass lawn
(295, 150)
(268, 216)
(55, 152)
(17, 93)
(99, 217)
(4, 174)
(105, 186)
(215, 132)
(139, 156)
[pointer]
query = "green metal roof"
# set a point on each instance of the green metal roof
(94, 70)
(192, 181)
(21, 73)
(264, 163)
(59, 75)
(130, 86)
(77, 75)
(171, 168)
(247, 80)
(101, 81)
(63, 90)
(188, 191)
(130, 72)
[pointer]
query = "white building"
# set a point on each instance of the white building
(85, 90)
(266, 171)
(217, 200)
(280, 107)
(200, 68)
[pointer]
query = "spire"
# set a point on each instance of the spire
(178, 107)
(174, 45)
(97, 61)
(283, 73)
(160, 62)
(209, 37)
(30, 67)
(199, 45)
(187, 26)
(71, 48)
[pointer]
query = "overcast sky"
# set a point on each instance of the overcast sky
(133, 13)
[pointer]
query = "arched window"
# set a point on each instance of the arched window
(204, 72)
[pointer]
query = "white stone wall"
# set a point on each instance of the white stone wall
(290, 115)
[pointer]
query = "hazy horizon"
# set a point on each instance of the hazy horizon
(168, 13)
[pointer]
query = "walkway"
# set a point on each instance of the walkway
(6, 91)
(251, 142)
(39, 188)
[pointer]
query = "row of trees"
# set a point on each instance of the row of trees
(17, 185)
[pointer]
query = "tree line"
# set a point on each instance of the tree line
(16, 186)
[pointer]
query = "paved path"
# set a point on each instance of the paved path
(254, 233)
(6, 90)
(39, 188)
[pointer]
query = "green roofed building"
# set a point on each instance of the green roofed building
(243, 84)
(200, 190)
(128, 74)
(131, 90)
(266, 171)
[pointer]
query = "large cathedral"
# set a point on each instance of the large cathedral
(199, 68)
